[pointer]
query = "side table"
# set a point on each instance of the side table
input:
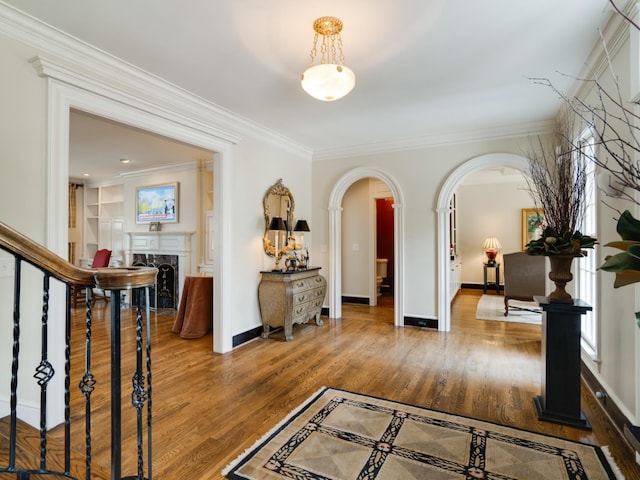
(496, 266)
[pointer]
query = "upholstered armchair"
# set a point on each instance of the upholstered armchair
(524, 277)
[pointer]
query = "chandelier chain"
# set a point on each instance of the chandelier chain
(314, 50)
(341, 59)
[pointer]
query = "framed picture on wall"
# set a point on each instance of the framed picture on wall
(533, 225)
(157, 203)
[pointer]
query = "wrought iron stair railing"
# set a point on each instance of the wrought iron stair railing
(113, 280)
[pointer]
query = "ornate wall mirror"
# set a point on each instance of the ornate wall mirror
(277, 202)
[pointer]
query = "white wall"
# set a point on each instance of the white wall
(419, 174)
(256, 167)
(357, 250)
(23, 104)
(489, 210)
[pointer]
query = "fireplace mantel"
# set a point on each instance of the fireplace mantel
(163, 243)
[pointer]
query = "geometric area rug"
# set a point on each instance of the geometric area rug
(340, 435)
(491, 307)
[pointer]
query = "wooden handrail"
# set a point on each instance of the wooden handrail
(105, 278)
(140, 280)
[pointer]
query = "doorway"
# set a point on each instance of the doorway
(368, 243)
(476, 164)
(137, 113)
(336, 241)
(110, 160)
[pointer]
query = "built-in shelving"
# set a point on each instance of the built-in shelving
(206, 221)
(454, 280)
(456, 263)
(453, 225)
(104, 220)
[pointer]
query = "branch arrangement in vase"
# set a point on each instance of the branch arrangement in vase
(558, 186)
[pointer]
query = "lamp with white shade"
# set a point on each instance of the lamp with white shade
(491, 246)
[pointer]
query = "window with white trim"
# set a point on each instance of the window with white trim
(586, 267)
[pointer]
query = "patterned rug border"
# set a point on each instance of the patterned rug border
(602, 452)
(266, 438)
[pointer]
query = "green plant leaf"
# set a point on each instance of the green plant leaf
(620, 262)
(634, 251)
(628, 227)
(638, 319)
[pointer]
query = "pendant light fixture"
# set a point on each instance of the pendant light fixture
(331, 79)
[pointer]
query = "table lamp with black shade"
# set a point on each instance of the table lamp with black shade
(302, 226)
(277, 225)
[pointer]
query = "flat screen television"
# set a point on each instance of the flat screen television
(157, 203)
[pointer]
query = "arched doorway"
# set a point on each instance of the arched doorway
(335, 236)
(482, 162)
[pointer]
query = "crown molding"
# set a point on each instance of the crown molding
(68, 59)
(437, 140)
(179, 167)
(613, 36)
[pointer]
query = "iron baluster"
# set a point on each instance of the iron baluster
(148, 320)
(138, 394)
(87, 383)
(44, 371)
(13, 403)
(67, 383)
(116, 389)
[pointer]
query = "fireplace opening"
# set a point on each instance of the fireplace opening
(164, 293)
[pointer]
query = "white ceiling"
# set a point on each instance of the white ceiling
(425, 69)
(98, 145)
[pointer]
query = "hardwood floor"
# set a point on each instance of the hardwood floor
(209, 408)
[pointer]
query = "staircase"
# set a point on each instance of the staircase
(30, 453)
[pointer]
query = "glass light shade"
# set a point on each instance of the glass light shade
(328, 81)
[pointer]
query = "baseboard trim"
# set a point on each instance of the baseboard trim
(479, 286)
(619, 420)
(421, 322)
(244, 337)
(357, 300)
(632, 434)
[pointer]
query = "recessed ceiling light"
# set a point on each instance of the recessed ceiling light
(86, 174)
(125, 160)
